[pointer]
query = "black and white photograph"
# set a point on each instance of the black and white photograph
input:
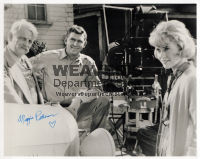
(110, 79)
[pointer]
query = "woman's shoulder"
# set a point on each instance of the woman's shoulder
(190, 73)
(189, 77)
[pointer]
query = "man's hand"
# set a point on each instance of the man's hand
(74, 106)
(72, 111)
(88, 95)
(40, 71)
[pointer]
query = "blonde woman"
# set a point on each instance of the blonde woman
(175, 49)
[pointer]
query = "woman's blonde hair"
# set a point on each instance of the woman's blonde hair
(174, 30)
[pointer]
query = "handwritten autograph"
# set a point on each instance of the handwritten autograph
(38, 116)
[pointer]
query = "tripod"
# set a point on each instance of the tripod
(117, 122)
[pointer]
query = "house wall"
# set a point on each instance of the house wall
(59, 17)
(11, 14)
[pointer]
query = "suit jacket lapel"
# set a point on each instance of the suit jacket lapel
(40, 97)
(18, 77)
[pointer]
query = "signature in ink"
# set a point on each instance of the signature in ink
(52, 123)
(23, 119)
(39, 115)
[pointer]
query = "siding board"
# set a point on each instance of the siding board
(60, 15)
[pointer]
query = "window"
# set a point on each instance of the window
(37, 12)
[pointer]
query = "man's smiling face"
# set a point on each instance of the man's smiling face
(74, 44)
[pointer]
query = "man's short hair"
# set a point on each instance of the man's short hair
(21, 24)
(76, 29)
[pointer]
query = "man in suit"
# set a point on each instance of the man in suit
(20, 84)
(21, 87)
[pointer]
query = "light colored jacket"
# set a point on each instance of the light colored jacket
(179, 137)
(16, 89)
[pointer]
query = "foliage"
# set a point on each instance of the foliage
(37, 48)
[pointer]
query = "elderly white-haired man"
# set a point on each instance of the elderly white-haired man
(20, 83)
(25, 112)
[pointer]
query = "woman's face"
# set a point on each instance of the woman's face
(169, 54)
